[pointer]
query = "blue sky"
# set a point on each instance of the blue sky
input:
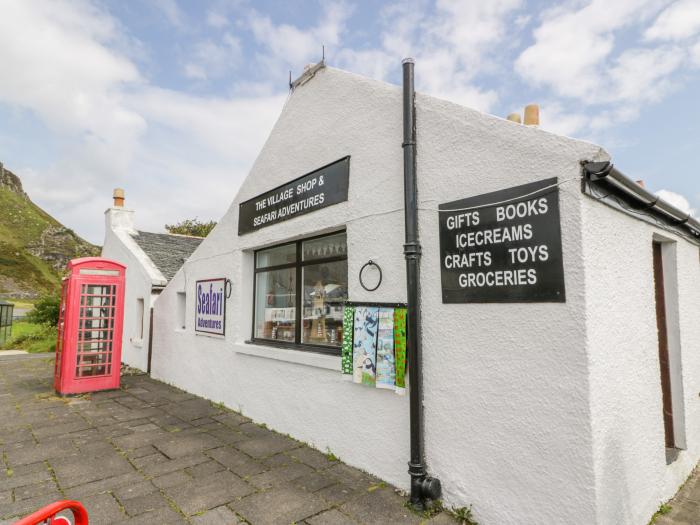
(173, 99)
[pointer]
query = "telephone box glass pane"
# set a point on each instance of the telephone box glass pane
(96, 330)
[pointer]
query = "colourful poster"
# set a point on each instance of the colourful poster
(348, 314)
(400, 347)
(364, 348)
(386, 368)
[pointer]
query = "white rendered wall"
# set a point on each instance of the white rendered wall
(141, 276)
(507, 399)
(632, 476)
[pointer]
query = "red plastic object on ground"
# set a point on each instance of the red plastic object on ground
(48, 514)
(89, 345)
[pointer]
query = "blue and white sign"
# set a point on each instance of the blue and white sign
(210, 313)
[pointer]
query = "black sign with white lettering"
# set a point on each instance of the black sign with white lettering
(503, 246)
(320, 188)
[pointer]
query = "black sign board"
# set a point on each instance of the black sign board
(503, 246)
(316, 190)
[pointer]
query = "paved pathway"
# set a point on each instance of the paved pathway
(152, 454)
(685, 506)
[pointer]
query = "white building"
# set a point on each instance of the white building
(151, 260)
(535, 412)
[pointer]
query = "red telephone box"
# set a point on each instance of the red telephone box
(89, 346)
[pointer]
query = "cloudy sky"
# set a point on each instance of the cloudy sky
(172, 99)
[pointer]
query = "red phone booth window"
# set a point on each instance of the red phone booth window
(88, 350)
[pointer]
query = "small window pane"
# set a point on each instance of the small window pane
(324, 247)
(325, 290)
(275, 297)
(276, 256)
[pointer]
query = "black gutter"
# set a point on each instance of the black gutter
(604, 174)
(423, 487)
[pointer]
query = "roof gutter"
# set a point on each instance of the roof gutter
(605, 174)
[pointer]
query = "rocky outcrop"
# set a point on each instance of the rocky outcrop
(34, 247)
(57, 245)
(11, 182)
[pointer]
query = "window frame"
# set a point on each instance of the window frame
(298, 265)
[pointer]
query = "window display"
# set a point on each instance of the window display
(300, 289)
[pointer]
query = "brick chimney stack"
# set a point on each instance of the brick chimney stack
(118, 197)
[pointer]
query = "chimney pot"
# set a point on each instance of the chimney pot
(532, 115)
(641, 183)
(118, 197)
(514, 117)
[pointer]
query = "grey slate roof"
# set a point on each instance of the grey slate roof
(168, 252)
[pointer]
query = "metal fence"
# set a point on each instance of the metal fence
(6, 311)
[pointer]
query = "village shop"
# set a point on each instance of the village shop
(558, 306)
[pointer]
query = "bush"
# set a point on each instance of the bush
(193, 227)
(45, 311)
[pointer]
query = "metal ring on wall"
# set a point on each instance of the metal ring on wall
(228, 286)
(370, 263)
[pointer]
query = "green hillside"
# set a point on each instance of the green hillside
(34, 247)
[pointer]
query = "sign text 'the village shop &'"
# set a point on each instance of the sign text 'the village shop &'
(321, 188)
(503, 246)
(210, 311)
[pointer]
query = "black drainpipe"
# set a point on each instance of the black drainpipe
(423, 487)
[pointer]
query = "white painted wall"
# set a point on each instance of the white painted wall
(507, 386)
(141, 277)
(632, 476)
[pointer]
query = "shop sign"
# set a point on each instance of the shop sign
(503, 246)
(210, 311)
(316, 190)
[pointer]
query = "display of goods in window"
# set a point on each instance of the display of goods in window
(300, 289)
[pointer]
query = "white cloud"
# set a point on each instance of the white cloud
(576, 54)
(211, 59)
(695, 54)
(291, 45)
(172, 12)
(451, 44)
(573, 45)
(167, 148)
(216, 20)
(677, 22)
(557, 119)
(677, 200)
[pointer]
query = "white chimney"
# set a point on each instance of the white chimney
(118, 217)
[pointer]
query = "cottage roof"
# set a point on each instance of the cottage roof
(167, 251)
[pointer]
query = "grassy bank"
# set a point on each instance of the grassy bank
(33, 338)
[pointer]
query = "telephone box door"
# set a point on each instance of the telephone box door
(89, 355)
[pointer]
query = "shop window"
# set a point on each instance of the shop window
(668, 329)
(300, 289)
(181, 303)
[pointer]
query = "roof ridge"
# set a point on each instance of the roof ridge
(172, 234)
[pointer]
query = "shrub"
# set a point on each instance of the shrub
(45, 311)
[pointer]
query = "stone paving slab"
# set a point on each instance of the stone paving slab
(149, 453)
(684, 508)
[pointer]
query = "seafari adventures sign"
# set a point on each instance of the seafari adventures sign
(210, 313)
(503, 246)
(316, 190)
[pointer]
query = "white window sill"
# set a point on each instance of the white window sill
(207, 334)
(329, 362)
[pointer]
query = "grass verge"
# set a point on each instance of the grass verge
(31, 337)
